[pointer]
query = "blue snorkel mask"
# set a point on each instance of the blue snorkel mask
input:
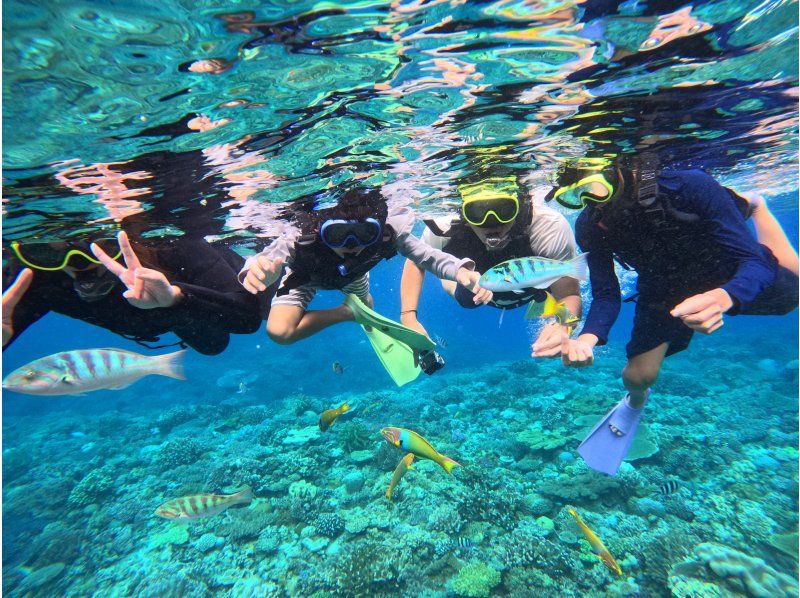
(350, 234)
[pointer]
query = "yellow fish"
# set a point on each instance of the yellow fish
(553, 307)
(597, 544)
(410, 441)
(328, 417)
(399, 472)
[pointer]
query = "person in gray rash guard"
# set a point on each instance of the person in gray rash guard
(334, 249)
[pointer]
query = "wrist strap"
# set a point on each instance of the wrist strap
(408, 311)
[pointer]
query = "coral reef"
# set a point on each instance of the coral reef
(80, 521)
(475, 580)
(733, 571)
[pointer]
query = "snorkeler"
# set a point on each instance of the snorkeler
(498, 223)
(186, 287)
(334, 249)
(686, 237)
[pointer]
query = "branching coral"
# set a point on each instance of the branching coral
(89, 490)
(354, 436)
(181, 451)
(476, 580)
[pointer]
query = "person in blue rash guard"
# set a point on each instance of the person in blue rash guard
(687, 238)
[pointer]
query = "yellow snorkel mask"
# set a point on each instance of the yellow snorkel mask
(593, 188)
(496, 197)
(55, 256)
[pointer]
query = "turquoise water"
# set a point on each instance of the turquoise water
(106, 122)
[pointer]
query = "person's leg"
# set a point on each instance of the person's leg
(289, 321)
(769, 232)
(360, 288)
(288, 324)
(641, 371)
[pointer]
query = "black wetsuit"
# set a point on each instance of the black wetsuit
(214, 304)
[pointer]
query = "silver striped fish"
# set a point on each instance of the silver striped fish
(203, 505)
(76, 372)
(532, 273)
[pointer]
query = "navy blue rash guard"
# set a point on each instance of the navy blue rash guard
(721, 223)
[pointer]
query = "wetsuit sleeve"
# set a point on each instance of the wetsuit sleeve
(442, 264)
(33, 304)
(214, 304)
(281, 248)
(716, 205)
(606, 297)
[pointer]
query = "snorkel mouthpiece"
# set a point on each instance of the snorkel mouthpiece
(496, 242)
(94, 287)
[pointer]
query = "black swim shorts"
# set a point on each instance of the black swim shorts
(653, 324)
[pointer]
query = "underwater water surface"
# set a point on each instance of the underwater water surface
(211, 119)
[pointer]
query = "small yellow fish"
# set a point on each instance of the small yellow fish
(553, 307)
(203, 505)
(597, 544)
(399, 472)
(328, 417)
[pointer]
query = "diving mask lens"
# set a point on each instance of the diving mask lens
(594, 188)
(350, 233)
(478, 211)
(56, 255)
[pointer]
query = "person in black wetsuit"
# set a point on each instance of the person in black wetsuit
(498, 222)
(185, 286)
(686, 237)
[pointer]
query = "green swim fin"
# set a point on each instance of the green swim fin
(370, 318)
(396, 357)
(535, 309)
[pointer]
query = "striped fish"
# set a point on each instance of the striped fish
(668, 487)
(532, 272)
(462, 543)
(203, 505)
(76, 372)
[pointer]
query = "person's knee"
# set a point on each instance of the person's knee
(281, 332)
(640, 376)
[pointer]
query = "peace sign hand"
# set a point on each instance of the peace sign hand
(147, 288)
(11, 297)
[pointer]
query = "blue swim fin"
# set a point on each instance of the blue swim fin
(602, 449)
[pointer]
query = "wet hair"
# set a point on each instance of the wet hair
(354, 203)
(357, 204)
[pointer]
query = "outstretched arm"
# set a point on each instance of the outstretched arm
(11, 297)
(410, 291)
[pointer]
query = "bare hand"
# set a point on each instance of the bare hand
(11, 297)
(147, 288)
(469, 279)
(261, 273)
(410, 320)
(576, 353)
(703, 312)
(549, 342)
